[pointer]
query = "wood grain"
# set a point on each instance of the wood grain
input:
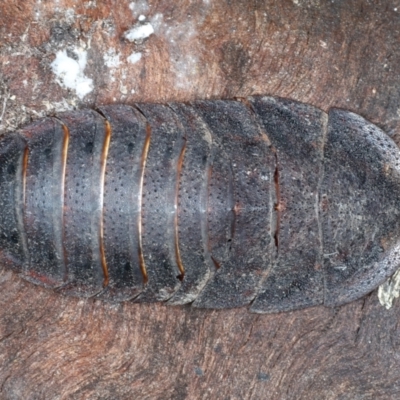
(342, 53)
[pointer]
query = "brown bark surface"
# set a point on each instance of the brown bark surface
(337, 53)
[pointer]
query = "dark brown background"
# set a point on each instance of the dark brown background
(326, 53)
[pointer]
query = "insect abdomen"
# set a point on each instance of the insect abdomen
(264, 202)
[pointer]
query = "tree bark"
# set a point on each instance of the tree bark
(343, 54)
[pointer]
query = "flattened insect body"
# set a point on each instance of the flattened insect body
(265, 202)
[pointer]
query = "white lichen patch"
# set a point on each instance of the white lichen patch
(111, 59)
(3, 108)
(69, 15)
(70, 72)
(186, 70)
(157, 21)
(389, 291)
(123, 89)
(139, 7)
(134, 58)
(139, 32)
(184, 46)
(92, 4)
(58, 106)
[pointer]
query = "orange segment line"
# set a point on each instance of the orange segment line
(104, 155)
(143, 161)
(178, 175)
(64, 157)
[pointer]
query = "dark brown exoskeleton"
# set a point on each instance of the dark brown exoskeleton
(263, 202)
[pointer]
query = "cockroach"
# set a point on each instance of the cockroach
(261, 202)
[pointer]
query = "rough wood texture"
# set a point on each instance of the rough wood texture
(342, 53)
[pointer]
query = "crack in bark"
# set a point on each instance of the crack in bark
(357, 337)
(254, 322)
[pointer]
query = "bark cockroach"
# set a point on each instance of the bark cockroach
(263, 202)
